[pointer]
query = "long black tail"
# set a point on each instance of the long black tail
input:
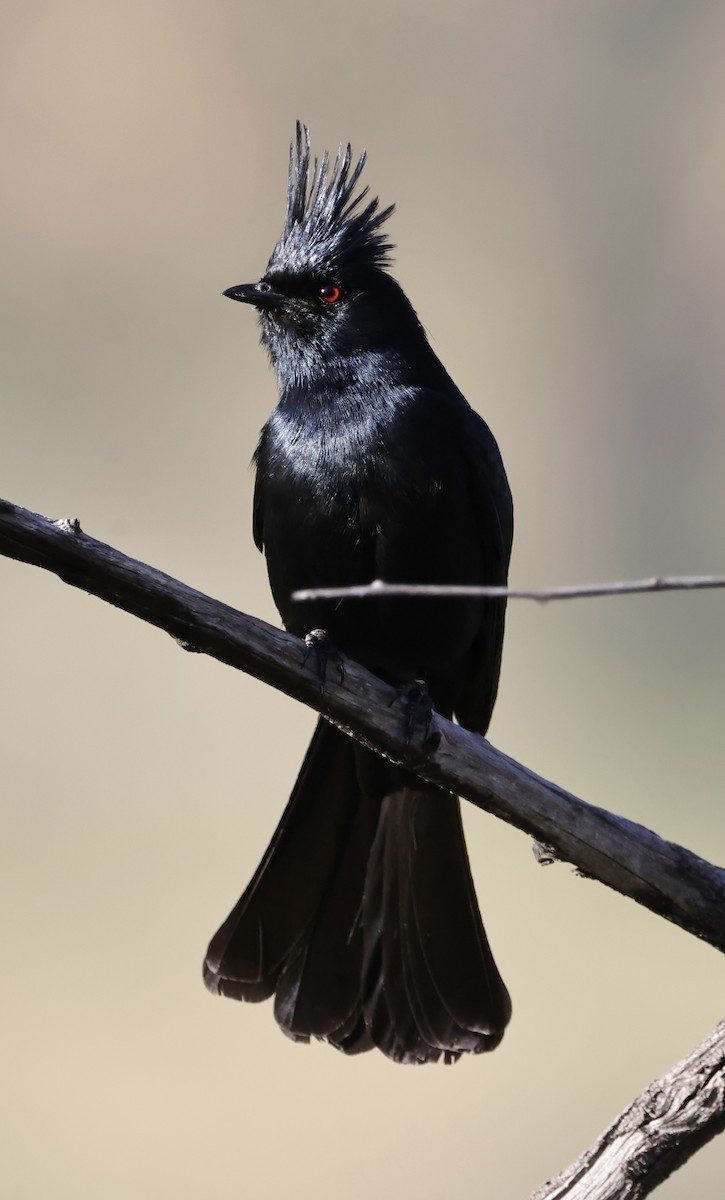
(362, 918)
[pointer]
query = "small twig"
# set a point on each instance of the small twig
(665, 1126)
(624, 587)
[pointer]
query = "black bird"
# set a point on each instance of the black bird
(362, 918)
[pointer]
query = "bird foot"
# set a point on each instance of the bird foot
(320, 644)
(418, 714)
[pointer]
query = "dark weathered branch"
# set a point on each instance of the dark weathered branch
(665, 1126)
(664, 877)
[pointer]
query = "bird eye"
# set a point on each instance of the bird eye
(263, 286)
(330, 293)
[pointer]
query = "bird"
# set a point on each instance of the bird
(362, 918)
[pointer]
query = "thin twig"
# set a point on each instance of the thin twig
(624, 587)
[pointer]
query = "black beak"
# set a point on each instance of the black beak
(261, 294)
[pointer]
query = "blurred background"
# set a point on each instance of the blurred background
(558, 171)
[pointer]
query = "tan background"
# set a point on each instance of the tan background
(559, 170)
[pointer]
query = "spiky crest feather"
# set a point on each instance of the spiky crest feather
(322, 230)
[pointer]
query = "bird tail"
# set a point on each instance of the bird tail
(362, 918)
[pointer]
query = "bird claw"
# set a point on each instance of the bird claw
(418, 711)
(320, 644)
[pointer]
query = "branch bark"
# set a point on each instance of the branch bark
(678, 1113)
(665, 1126)
(664, 877)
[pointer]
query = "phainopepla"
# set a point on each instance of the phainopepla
(362, 918)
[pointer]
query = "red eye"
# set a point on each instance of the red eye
(330, 293)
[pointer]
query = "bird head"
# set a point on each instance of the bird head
(325, 297)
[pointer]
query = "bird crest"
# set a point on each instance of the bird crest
(325, 227)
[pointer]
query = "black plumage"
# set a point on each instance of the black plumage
(362, 918)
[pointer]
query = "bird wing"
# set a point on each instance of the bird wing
(493, 506)
(258, 512)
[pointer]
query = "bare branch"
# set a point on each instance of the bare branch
(624, 587)
(664, 877)
(678, 1113)
(665, 1126)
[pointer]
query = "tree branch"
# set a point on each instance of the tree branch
(665, 1126)
(677, 1114)
(664, 877)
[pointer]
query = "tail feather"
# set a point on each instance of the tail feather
(270, 922)
(362, 917)
(432, 987)
(319, 991)
(450, 934)
(388, 1012)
